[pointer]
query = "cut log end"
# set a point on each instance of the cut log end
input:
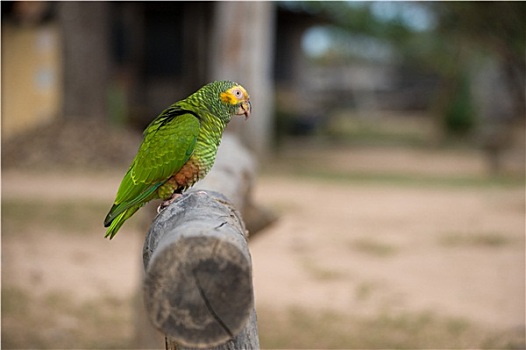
(198, 287)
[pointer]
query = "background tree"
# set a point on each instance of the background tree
(444, 38)
(86, 59)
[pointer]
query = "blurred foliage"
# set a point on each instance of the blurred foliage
(459, 112)
(357, 18)
(444, 38)
(496, 26)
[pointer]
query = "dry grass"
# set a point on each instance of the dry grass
(296, 328)
(373, 247)
(475, 239)
(57, 321)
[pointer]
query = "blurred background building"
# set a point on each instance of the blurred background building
(308, 65)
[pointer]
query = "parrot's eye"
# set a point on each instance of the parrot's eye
(238, 94)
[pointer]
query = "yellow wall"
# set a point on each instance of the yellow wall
(31, 77)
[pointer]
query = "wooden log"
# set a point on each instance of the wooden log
(234, 175)
(198, 285)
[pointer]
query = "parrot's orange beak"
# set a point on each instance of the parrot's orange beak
(244, 109)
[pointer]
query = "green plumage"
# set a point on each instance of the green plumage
(189, 131)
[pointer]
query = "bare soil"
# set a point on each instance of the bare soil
(354, 248)
(366, 249)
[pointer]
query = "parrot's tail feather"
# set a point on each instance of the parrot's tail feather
(110, 217)
(114, 227)
(117, 209)
(117, 222)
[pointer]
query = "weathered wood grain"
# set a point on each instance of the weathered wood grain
(198, 285)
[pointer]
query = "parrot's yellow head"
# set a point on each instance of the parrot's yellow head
(237, 97)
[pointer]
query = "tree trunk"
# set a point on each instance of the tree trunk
(241, 50)
(85, 31)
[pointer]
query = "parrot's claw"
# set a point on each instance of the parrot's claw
(167, 202)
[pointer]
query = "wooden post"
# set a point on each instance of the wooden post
(198, 286)
(86, 59)
(242, 49)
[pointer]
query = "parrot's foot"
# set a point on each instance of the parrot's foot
(167, 202)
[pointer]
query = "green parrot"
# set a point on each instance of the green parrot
(178, 149)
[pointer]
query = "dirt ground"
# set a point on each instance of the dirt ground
(356, 248)
(362, 249)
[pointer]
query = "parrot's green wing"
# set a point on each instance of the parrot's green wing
(168, 143)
